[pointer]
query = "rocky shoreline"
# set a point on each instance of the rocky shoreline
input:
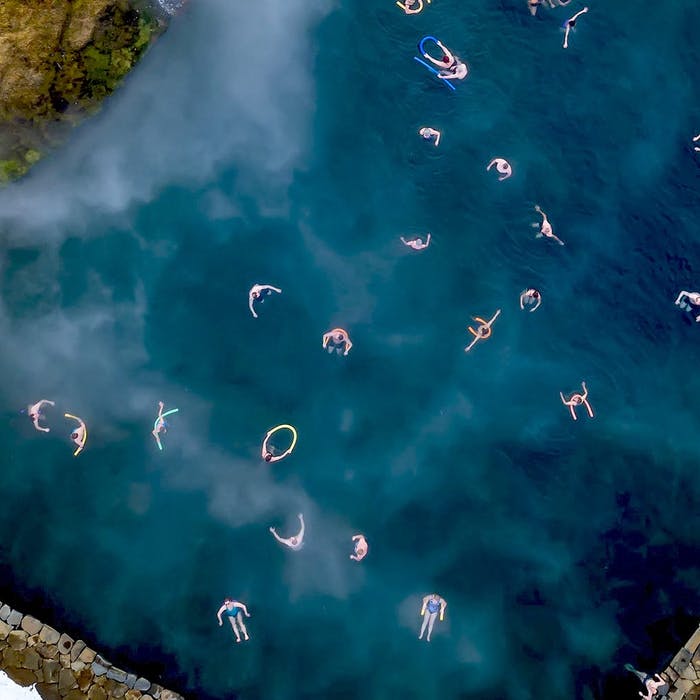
(61, 668)
(59, 59)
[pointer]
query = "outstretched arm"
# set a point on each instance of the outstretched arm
(563, 399)
(277, 537)
(348, 345)
(443, 607)
(680, 296)
(45, 402)
(274, 289)
(446, 51)
(218, 615)
(437, 138)
(585, 391)
(243, 607)
(326, 338)
(300, 536)
(250, 304)
(434, 61)
(534, 308)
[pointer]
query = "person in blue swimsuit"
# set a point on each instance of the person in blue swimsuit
(233, 609)
(432, 605)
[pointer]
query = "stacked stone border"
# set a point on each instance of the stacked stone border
(62, 668)
(683, 672)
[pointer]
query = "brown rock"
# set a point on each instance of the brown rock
(133, 695)
(76, 695)
(30, 659)
(97, 693)
(66, 680)
(51, 669)
(4, 629)
(146, 697)
(48, 692)
(169, 695)
(48, 651)
(77, 666)
(87, 655)
(63, 658)
(32, 640)
(21, 676)
(48, 635)
(17, 639)
(31, 625)
(119, 690)
(85, 678)
(10, 657)
(77, 650)
(65, 644)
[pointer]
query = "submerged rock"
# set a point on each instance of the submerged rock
(58, 60)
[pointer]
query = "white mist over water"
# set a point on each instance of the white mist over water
(210, 94)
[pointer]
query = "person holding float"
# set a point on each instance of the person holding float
(268, 451)
(79, 435)
(451, 68)
(482, 331)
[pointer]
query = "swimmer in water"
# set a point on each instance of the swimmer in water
(258, 292)
(696, 139)
(412, 7)
(361, 547)
(268, 451)
(451, 68)
(416, 243)
(34, 412)
(432, 604)
(160, 425)
(482, 332)
(570, 24)
(297, 541)
(545, 227)
(338, 340)
(654, 685)
(233, 609)
(502, 168)
(530, 297)
(694, 299)
(79, 435)
(429, 133)
(577, 400)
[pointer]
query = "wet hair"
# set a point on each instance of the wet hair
(228, 600)
(268, 456)
(74, 435)
(445, 59)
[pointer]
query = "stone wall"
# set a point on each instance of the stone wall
(683, 672)
(63, 668)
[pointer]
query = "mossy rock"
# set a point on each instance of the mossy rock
(58, 60)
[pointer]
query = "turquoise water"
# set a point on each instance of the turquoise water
(276, 143)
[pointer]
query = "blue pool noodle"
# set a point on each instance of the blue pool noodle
(432, 70)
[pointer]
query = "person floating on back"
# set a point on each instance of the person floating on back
(412, 7)
(432, 605)
(693, 300)
(416, 243)
(34, 412)
(232, 609)
(532, 298)
(577, 400)
(545, 227)
(160, 425)
(570, 24)
(361, 547)
(428, 133)
(338, 340)
(258, 292)
(295, 542)
(451, 68)
(503, 168)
